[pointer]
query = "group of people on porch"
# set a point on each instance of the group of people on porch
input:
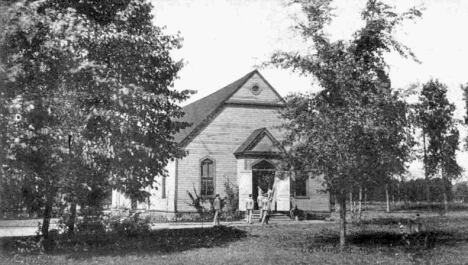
(264, 205)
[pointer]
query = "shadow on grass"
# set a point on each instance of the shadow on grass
(387, 221)
(154, 242)
(378, 239)
(414, 242)
(389, 239)
(431, 207)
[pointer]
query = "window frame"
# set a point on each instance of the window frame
(256, 89)
(212, 176)
(163, 188)
(306, 180)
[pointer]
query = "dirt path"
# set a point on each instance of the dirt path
(26, 227)
(17, 231)
(29, 227)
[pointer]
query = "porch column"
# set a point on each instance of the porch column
(244, 182)
(119, 200)
(282, 191)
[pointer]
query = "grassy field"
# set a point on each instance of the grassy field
(377, 240)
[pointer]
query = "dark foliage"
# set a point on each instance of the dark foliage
(411, 190)
(111, 243)
(87, 102)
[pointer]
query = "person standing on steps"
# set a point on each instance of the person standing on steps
(266, 210)
(249, 205)
(270, 194)
(260, 204)
(217, 208)
(271, 197)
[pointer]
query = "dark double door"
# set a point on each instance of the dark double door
(263, 180)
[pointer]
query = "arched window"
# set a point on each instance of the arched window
(207, 177)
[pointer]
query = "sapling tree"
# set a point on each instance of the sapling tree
(355, 131)
(465, 98)
(435, 117)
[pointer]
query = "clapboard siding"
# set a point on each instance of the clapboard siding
(316, 200)
(218, 141)
(156, 200)
(220, 129)
(266, 95)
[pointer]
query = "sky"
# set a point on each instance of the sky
(225, 39)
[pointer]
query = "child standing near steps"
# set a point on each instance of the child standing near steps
(266, 210)
(260, 204)
(249, 205)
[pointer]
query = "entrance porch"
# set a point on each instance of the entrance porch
(263, 179)
(253, 181)
(258, 171)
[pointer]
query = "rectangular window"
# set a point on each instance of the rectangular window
(301, 186)
(163, 188)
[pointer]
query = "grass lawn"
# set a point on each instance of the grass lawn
(376, 241)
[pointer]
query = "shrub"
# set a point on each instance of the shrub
(130, 226)
(30, 245)
(91, 226)
(157, 218)
(195, 217)
(98, 224)
(91, 222)
(198, 201)
(231, 202)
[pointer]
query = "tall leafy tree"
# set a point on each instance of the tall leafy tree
(465, 98)
(461, 191)
(435, 115)
(355, 131)
(88, 91)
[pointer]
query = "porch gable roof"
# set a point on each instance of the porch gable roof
(260, 143)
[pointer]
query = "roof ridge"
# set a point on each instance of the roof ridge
(225, 87)
(199, 112)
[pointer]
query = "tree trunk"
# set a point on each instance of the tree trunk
(71, 220)
(446, 187)
(337, 204)
(342, 221)
(387, 197)
(426, 175)
(445, 201)
(360, 204)
(47, 215)
(399, 193)
(365, 199)
(2, 175)
(332, 205)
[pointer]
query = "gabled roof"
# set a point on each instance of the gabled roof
(248, 147)
(198, 112)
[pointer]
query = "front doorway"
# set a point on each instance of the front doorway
(263, 178)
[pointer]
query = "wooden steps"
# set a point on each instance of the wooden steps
(275, 216)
